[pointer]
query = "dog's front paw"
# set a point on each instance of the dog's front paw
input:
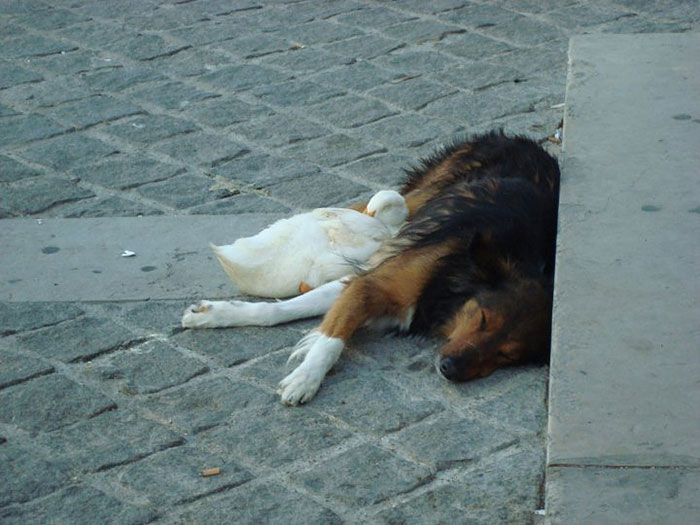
(300, 386)
(198, 315)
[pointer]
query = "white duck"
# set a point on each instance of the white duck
(307, 250)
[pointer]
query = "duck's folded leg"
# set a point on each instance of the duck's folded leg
(222, 314)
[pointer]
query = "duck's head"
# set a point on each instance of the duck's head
(389, 208)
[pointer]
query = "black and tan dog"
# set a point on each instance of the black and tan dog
(473, 264)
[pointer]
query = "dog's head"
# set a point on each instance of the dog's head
(497, 328)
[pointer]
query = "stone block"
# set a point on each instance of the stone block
(267, 502)
(111, 439)
(33, 45)
(19, 317)
(525, 31)
(123, 172)
(376, 17)
(116, 79)
(26, 128)
(365, 47)
(296, 93)
(78, 340)
(224, 112)
(306, 60)
(145, 369)
(202, 148)
(358, 76)
(280, 130)
(273, 435)
(11, 170)
(174, 476)
(472, 46)
(409, 130)
(385, 170)
(38, 194)
(16, 368)
(243, 77)
(421, 31)
(62, 153)
(50, 402)
(27, 476)
(147, 129)
(242, 203)
(94, 110)
(363, 476)
(238, 345)
(78, 505)
(333, 150)
(418, 62)
(412, 93)
(185, 191)
(350, 111)
(316, 191)
(173, 95)
(145, 47)
(12, 75)
(261, 171)
(50, 19)
(205, 403)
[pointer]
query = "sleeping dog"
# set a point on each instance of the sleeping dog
(474, 265)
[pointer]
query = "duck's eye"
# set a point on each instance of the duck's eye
(482, 324)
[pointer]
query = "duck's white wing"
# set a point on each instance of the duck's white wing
(351, 234)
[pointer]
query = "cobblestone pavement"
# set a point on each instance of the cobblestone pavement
(108, 410)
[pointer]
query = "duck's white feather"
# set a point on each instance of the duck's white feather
(314, 248)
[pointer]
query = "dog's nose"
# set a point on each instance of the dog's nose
(448, 368)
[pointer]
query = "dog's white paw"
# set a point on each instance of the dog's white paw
(198, 315)
(300, 386)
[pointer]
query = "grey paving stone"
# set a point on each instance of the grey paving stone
(412, 61)
(357, 401)
(105, 207)
(376, 17)
(184, 191)
(11, 170)
(333, 150)
(94, 110)
(11, 75)
(34, 45)
(111, 439)
(173, 95)
(408, 130)
(436, 7)
(205, 403)
(224, 112)
(174, 476)
(235, 346)
(365, 47)
(145, 47)
(274, 436)
(17, 7)
(549, 59)
(125, 171)
(161, 317)
(358, 76)
(19, 317)
(94, 34)
(481, 76)
(116, 79)
(363, 476)
(385, 170)
(280, 130)
(306, 60)
(27, 128)
(76, 62)
(421, 31)
(242, 77)
(145, 369)
(78, 505)
(581, 16)
(472, 46)
(27, 476)
(15, 368)
(475, 108)
(296, 93)
(50, 92)
(261, 171)
(255, 503)
(243, 203)
(61, 153)
(319, 31)
(77, 340)
(7, 112)
(208, 31)
(350, 111)
(147, 129)
(316, 191)
(525, 31)
(38, 194)
(478, 16)
(500, 490)
(191, 62)
(256, 45)
(202, 148)
(50, 402)
(48, 19)
(413, 93)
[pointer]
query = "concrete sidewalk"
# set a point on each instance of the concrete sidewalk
(158, 126)
(624, 431)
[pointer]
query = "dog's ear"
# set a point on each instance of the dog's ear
(484, 254)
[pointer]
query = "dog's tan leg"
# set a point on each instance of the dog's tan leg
(389, 291)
